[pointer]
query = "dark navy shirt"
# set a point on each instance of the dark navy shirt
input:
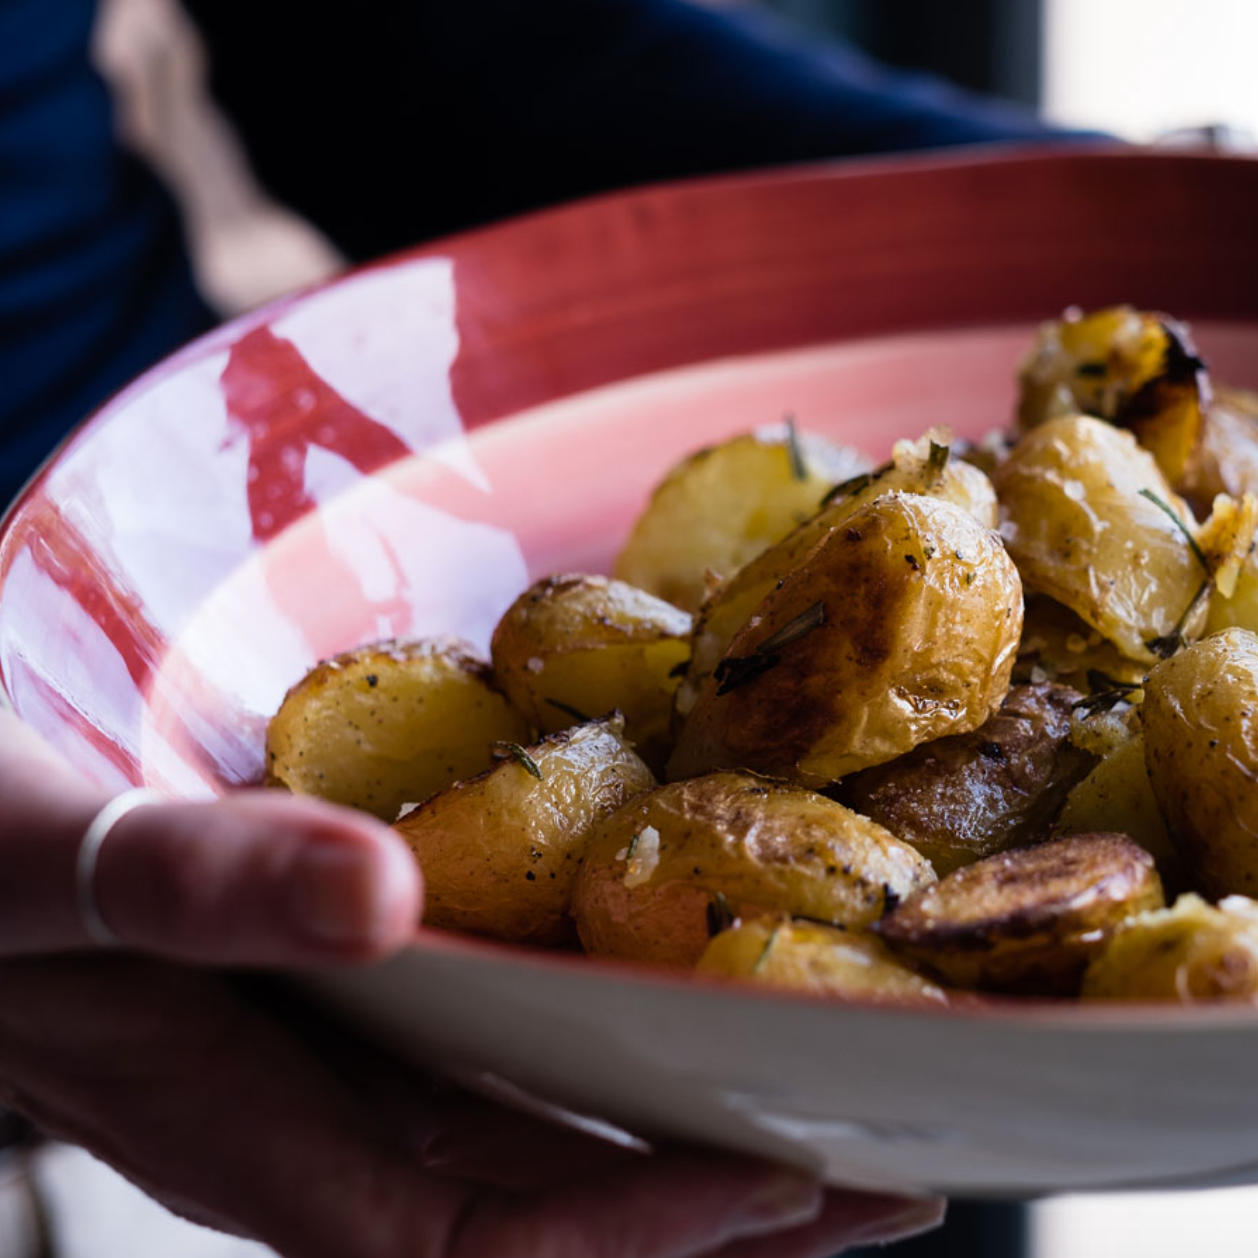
(388, 122)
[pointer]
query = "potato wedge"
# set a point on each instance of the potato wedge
(1078, 520)
(500, 851)
(672, 867)
(1191, 953)
(1117, 795)
(1200, 716)
(917, 467)
(898, 627)
(574, 646)
(1026, 921)
(819, 960)
(389, 724)
(1227, 457)
(721, 507)
(972, 795)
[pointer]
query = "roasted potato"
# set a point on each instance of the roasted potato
(1057, 646)
(1190, 953)
(898, 627)
(1133, 368)
(820, 960)
(1028, 920)
(571, 647)
(1116, 795)
(917, 467)
(1087, 517)
(962, 798)
(721, 507)
(389, 724)
(1227, 457)
(500, 851)
(670, 868)
(1200, 716)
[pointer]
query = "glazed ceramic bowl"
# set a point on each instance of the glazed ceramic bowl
(403, 450)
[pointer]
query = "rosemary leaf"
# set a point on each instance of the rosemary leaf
(518, 754)
(938, 459)
(798, 470)
(737, 670)
(568, 710)
(1179, 524)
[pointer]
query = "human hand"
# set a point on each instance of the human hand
(231, 1116)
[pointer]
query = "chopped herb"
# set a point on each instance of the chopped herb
(518, 754)
(1101, 701)
(680, 669)
(929, 551)
(1166, 645)
(938, 459)
(913, 562)
(568, 710)
(633, 846)
(719, 915)
(1091, 369)
(372, 680)
(969, 578)
(1100, 681)
(735, 671)
(764, 952)
(853, 486)
(1179, 524)
(798, 470)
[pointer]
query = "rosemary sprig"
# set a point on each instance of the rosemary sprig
(1179, 524)
(735, 671)
(519, 755)
(798, 470)
(568, 710)
(720, 916)
(1166, 645)
(855, 484)
(768, 947)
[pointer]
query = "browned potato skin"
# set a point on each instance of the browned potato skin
(1026, 921)
(765, 846)
(1074, 520)
(922, 616)
(910, 471)
(1191, 953)
(500, 852)
(595, 645)
(718, 509)
(962, 798)
(819, 960)
(389, 724)
(1200, 717)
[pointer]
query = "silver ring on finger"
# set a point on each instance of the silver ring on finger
(94, 836)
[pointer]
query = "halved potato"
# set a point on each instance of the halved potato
(1136, 369)
(898, 627)
(1200, 715)
(673, 867)
(1026, 921)
(962, 798)
(721, 507)
(924, 466)
(571, 647)
(810, 957)
(389, 724)
(1087, 517)
(1192, 952)
(500, 852)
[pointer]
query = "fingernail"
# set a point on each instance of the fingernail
(340, 893)
(912, 1219)
(782, 1199)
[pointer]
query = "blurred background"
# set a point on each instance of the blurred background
(1141, 69)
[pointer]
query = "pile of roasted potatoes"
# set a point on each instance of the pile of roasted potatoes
(982, 719)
